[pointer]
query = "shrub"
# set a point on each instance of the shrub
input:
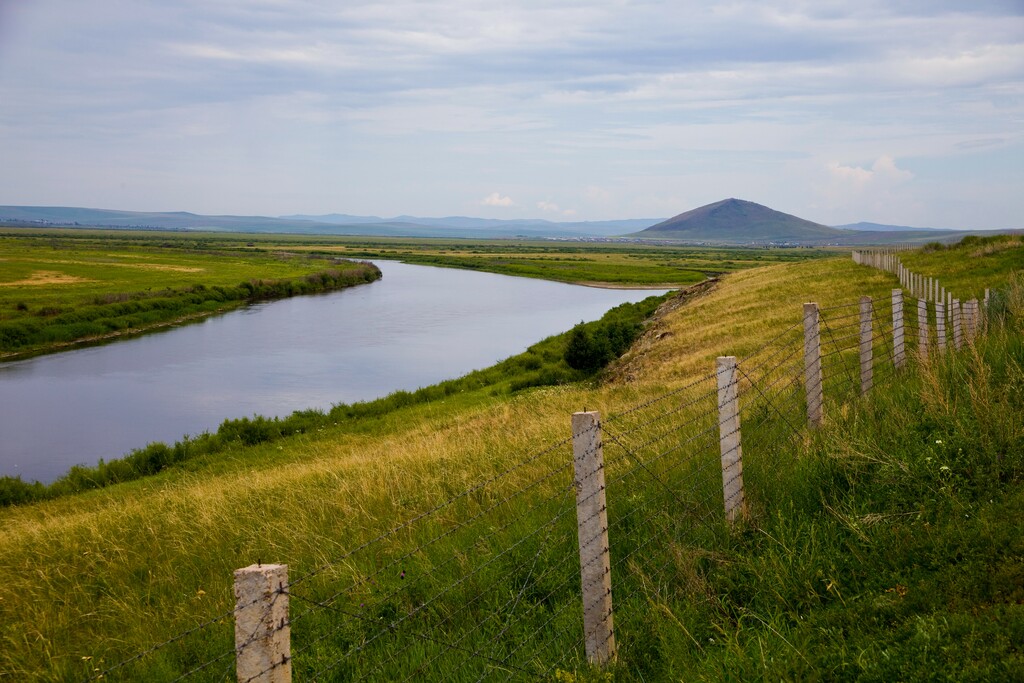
(586, 351)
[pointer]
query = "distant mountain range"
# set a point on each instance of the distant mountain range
(735, 221)
(330, 224)
(587, 228)
(739, 222)
(728, 222)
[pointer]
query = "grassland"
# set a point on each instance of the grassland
(63, 286)
(594, 263)
(873, 552)
(56, 290)
(969, 267)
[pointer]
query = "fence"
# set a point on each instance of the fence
(554, 561)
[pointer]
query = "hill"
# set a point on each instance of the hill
(735, 221)
(881, 552)
(866, 226)
(329, 224)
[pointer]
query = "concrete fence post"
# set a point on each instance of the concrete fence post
(981, 308)
(730, 445)
(940, 325)
(958, 334)
(592, 529)
(972, 320)
(867, 339)
(899, 355)
(812, 364)
(262, 630)
(922, 328)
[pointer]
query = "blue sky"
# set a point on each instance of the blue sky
(895, 112)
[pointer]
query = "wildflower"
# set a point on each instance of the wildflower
(938, 441)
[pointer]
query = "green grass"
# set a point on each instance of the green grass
(55, 291)
(970, 266)
(871, 553)
(546, 363)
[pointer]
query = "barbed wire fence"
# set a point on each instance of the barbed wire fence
(473, 589)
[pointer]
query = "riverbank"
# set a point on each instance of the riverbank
(56, 294)
(850, 563)
(568, 357)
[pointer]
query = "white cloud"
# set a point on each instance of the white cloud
(879, 193)
(883, 172)
(497, 199)
(551, 207)
(640, 108)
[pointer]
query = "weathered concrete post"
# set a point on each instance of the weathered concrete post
(898, 353)
(729, 442)
(972, 320)
(262, 631)
(922, 328)
(867, 339)
(812, 364)
(940, 326)
(592, 529)
(958, 337)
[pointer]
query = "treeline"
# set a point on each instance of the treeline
(555, 360)
(111, 313)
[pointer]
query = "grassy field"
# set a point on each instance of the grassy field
(596, 263)
(62, 286)
(969, 268)
(880, 548)
(57, 289)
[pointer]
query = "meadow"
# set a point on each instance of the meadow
(880, 547)
(66, 286)
(57, 289)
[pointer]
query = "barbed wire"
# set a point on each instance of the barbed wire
(774, 382)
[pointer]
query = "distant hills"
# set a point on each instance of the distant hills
(735, 221)
(739, 222)
(727, 222)
(330, 224)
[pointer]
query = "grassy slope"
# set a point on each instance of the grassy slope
(88, 574)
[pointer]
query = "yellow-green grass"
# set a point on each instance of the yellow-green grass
(606, 263)
(602, 263)
(969, 267)
(53, 272)
(105, 574)
(61, 289)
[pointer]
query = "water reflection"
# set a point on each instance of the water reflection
(415, 327)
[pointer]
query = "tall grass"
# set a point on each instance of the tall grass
(872, 552)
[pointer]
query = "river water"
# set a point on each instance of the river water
(417, 326)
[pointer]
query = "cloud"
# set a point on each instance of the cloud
(496, 199)
(617, 108)
(551, 207)
(883, 172)
(880, 193)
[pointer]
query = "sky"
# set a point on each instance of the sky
(907, 113)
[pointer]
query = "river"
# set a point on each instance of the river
(416, 326)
